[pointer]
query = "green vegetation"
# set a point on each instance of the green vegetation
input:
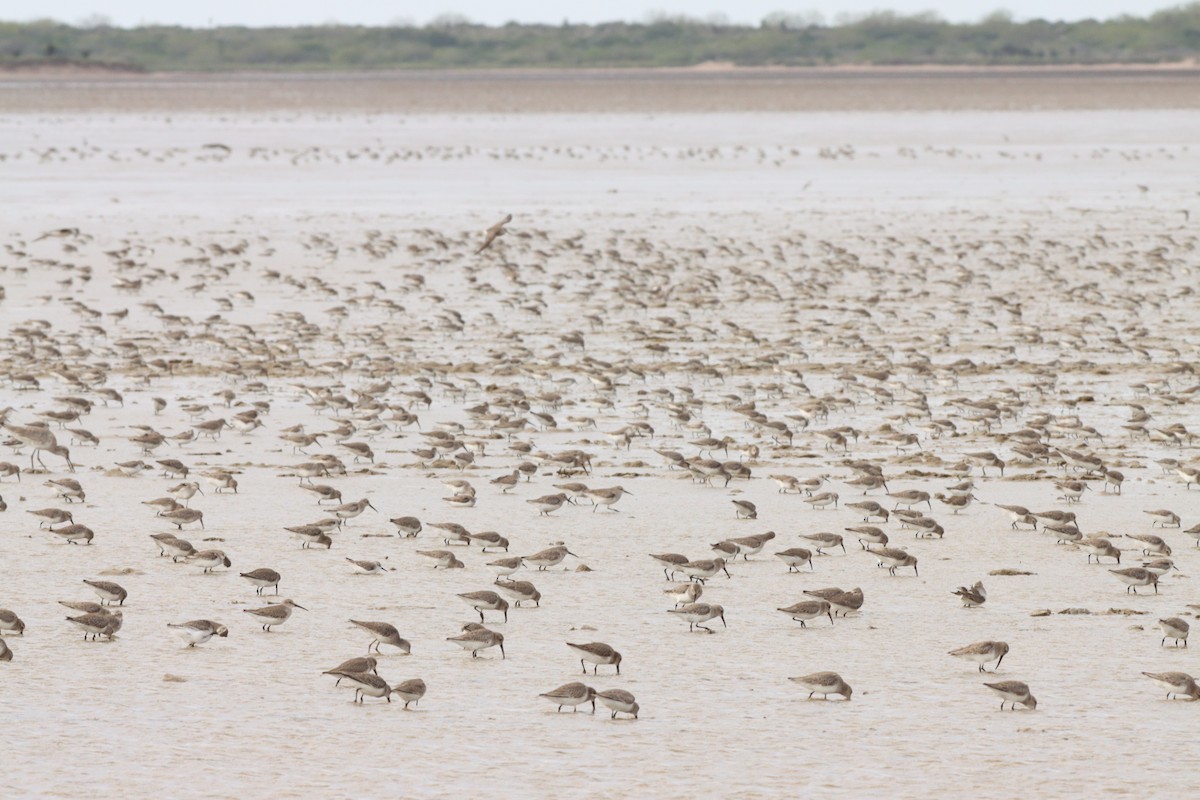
(882, 39)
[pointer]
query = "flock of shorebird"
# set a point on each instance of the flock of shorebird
(657, 391)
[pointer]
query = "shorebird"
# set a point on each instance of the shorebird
(39, 439)
(52, 516)
(824, 540)
(183, 516)
(410, 691)
(868, 535)
(74, 534)
(68, 489)
(442, 558)
(520, 591)
(983, 652)
(1134, 577)
(548, 504)
(262, 578)
(670, 562)
(365, 684)
(1174, 628)
(408, 527)
(744, 508)
(607, 497)
(809, 609)
(1176, 683)
(361, 664)
(494, 232)
(272, 615)
(572, 694)
(486, 601)
(96, 625)
(370, 567)
(210, 559)
(685, 593)
(596, 653)
(108, 592)
(1098, 548)
(199, 631)
(9, 621)
(479, 639)
(5, 653)
(348, 511)
(794, 557)
(824, 684)
(704, 569)
(972, 596)
(822, 500)
(1163, 517)
(1013, 692)
(697, 613)
(550, 557)
(384, 634)
(619, 701)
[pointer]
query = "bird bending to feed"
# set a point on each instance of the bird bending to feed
(824, 684)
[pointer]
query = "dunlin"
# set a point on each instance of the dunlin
(596, 653)
(572, 694)
(824, 684)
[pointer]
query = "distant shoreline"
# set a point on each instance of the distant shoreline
(75, 70)
(713, 88)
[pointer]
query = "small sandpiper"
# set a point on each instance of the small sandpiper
(619, 701)
(697, 613)
(210, 559)
(704, 569)
(596, 653)
(384, 634)
(520, 592)
(548, 504)
(272, 615)
(894, 559)
(824, 541)
(410, 691)
(108, 592)
(96, 625)
(607, 497)
(1134, 577)
(9, 621)
(983, 652)
(809, 609)
(972, 596)
(365, 684)
(486, 601)
(572, 694)
(370, 567)
(1176, 683)
(1013, 692)
(262, 578)
(198, 631)
(550, 557)
(794, 557)
(442, 559)
(1174, 628)
(408, 527)
(479, 639)
(670, 562)
(824, 684)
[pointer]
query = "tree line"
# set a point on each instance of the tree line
(780, 40)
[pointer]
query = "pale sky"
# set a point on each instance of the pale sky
(199, 13)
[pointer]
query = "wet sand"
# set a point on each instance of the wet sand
(861, 224)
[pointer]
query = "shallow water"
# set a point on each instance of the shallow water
(253, 713)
